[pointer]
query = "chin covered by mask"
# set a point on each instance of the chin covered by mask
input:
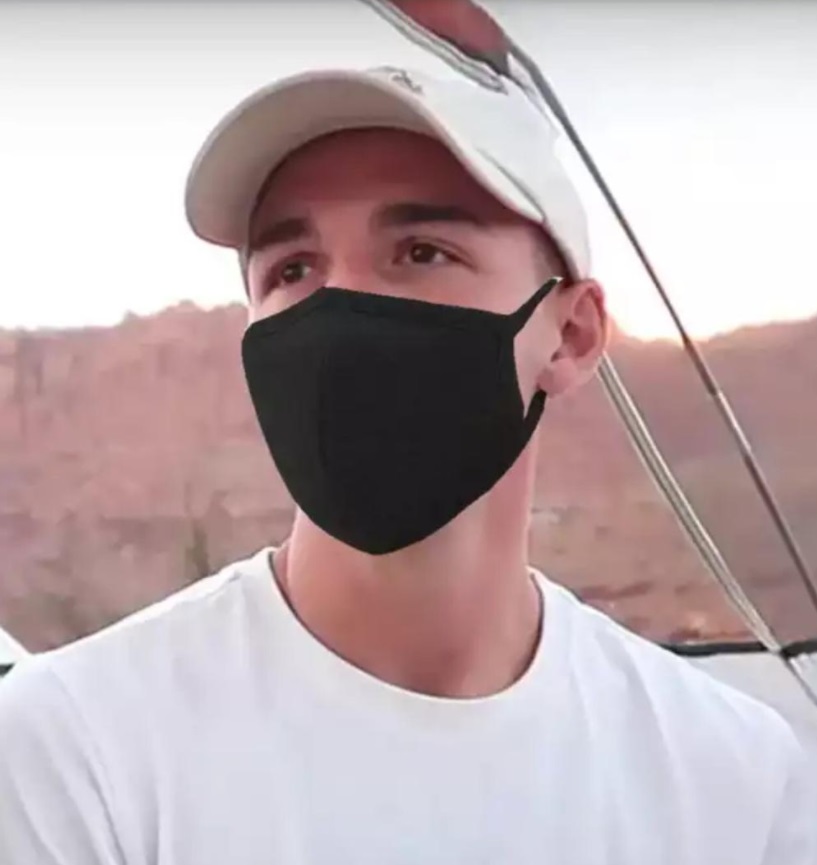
(387, 417)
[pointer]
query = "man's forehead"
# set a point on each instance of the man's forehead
(385, 140)
(394, 177)
(351, 163)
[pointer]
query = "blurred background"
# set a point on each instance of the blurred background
(130, 461)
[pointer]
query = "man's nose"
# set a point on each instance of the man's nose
(362, 277)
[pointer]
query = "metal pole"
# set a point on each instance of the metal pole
(702, 368)
(542, 95)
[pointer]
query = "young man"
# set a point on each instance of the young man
(394, 684)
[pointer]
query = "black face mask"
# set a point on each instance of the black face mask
(386, 417)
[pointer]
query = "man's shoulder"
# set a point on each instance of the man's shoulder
(177, 638)
(647, 681)
(709, 748)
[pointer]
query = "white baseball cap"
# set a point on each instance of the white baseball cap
(508, 145)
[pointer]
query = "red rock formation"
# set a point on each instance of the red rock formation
(130, 464)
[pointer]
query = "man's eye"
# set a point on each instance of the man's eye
(420, 252)
(292, 272)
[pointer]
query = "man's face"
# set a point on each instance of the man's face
(392, 212)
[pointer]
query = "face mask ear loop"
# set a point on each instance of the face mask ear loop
(534, 415)
(517, 320)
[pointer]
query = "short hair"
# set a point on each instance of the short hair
(550, 257)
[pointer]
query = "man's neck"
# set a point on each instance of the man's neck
(457, 615)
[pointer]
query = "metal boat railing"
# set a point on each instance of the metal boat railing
(507, 60)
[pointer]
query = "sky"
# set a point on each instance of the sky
(700, 115)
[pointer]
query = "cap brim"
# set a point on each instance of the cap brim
(264, 129)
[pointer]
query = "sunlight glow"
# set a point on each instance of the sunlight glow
(707, 138)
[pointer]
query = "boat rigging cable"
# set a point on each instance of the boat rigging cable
(472, 43)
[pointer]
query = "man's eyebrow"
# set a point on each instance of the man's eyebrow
(396, 215)
(411, 213)
(283, 231)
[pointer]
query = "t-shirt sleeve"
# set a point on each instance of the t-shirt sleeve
(53, 808)
(793, 838)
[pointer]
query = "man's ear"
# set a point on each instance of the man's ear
(581, 314)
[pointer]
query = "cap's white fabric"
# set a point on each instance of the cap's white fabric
(509, 146)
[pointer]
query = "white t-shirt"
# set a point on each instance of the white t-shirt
(213, 729)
